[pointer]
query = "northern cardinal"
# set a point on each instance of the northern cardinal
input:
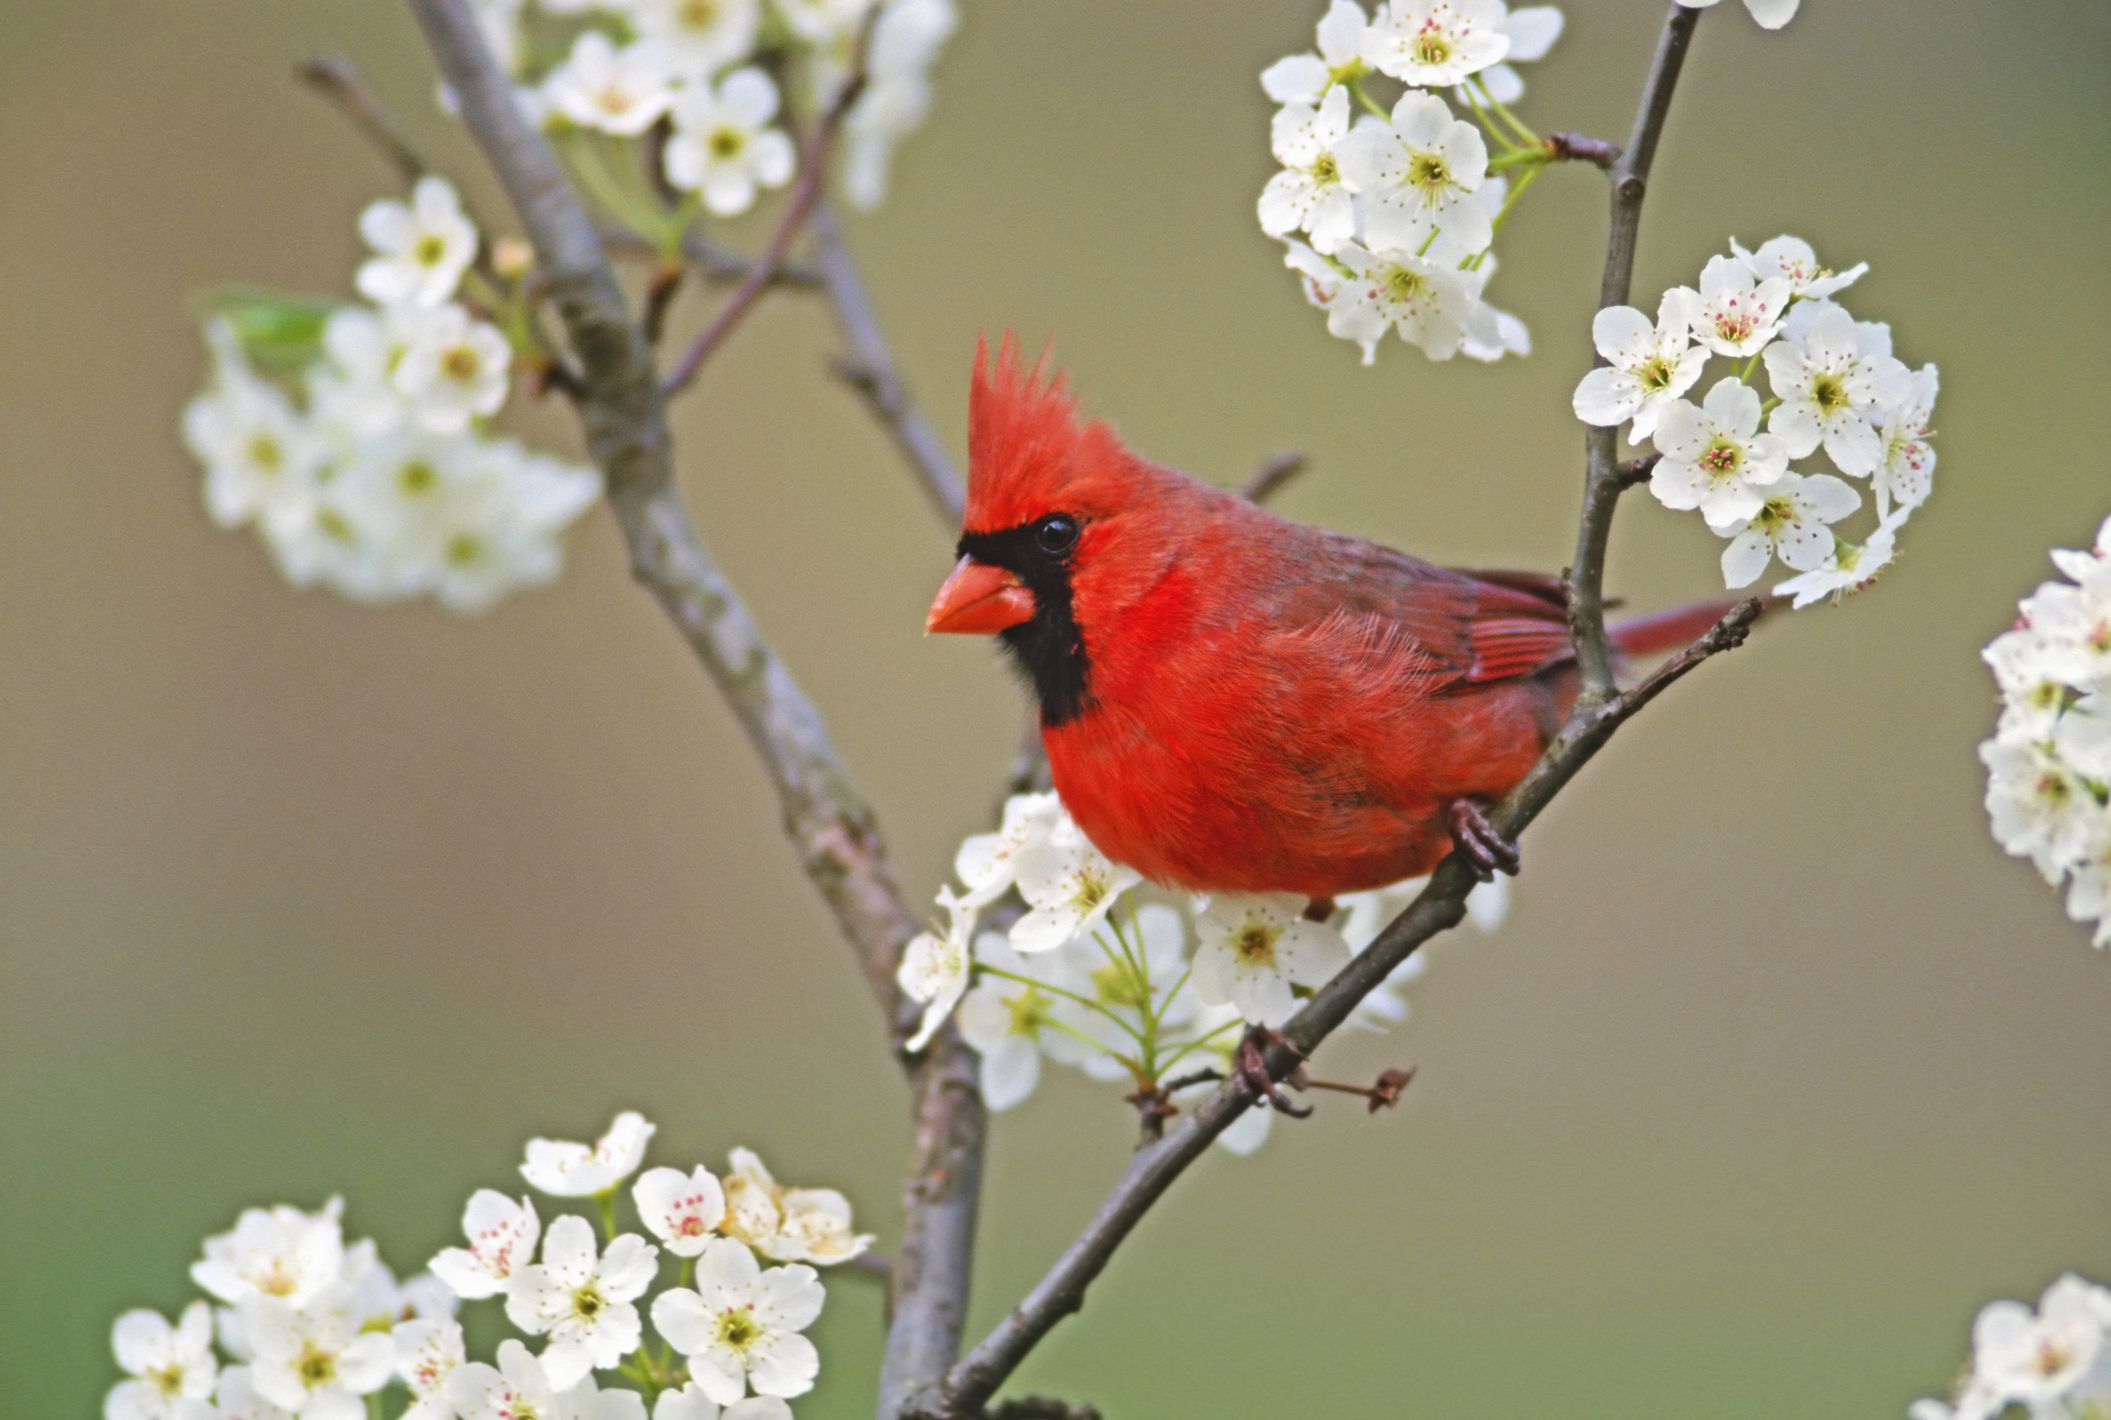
(1232, 701)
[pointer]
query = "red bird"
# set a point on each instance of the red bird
(1235, 702)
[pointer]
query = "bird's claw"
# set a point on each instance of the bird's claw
(1485, 850)
(1250, 1068)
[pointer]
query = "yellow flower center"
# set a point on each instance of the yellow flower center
(1429, 172)
(464, 550)
(417, 477)
(1255, 945)
(588, 1302)
(738, 1328)
(1723, 457)
(431, 248)
(315, 1366)
(726, 143)
(1431, 47)
(1829, 393)
(267, 455)
(1405, 286)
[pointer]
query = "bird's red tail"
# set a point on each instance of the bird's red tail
(1670, 629)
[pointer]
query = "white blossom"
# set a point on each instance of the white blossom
(1853, 568)
(906, 41)
(1417, 175)
(1651, 366)
(313, 1359)
(699, 37)
(1792, 259)
(2037, 1358)
(740, 1326)
(1012, 1023)
(988, 863)
(1735, 313)
(1426, 301)
(428, 1353)
(453, 369)
(421, 248)
(236, 1398)
(564, 1169)
(620, 91)
(1435, 45)
(2038, 806)
(279, 1252)
(1831, 386)
(1714, 458)
(502, 1235)
(1792, 524)
(260, 455)
(682, 1210)
(1069, 887)
(788, 1224)
(1310, 194)
(1303, 78)
(1254, 948)
(583, 1299)
(934, 968)
(722, 147)
(171, 1368)
(1906, 474)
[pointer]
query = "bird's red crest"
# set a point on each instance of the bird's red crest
(1028, 452)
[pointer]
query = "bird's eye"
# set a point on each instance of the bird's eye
(1056, 533)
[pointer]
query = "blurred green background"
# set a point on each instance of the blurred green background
(1779, 1071)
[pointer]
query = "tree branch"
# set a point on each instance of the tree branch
(805, 196)
(1272, 475)
(333, 76)
(1629, 178)
(1442, 904)
(869, 369)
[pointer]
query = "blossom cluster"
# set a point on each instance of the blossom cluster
(695, 76)
(1833, 384)
(1398, 206)
(317, 1328)
(2054, 1361)
(354, 438)
(1102, 973)
(2048, 789)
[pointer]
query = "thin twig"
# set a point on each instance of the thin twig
(1272, 475)
(805, 195)
(1629, 179)
(1576, 147)
(870, 369)
(712, 263)
(333, 76)
(1440, 906)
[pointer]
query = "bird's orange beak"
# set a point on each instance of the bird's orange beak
(980, 600)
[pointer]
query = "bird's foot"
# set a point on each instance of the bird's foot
(1250, 1068)
(1486, 851)
(1319, 909)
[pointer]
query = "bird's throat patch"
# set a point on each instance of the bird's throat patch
(1048, 650)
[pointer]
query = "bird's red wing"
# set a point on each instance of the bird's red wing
(1470, 628)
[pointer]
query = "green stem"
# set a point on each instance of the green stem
(1370, 105)
(1502, 111)
(608, 1214)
